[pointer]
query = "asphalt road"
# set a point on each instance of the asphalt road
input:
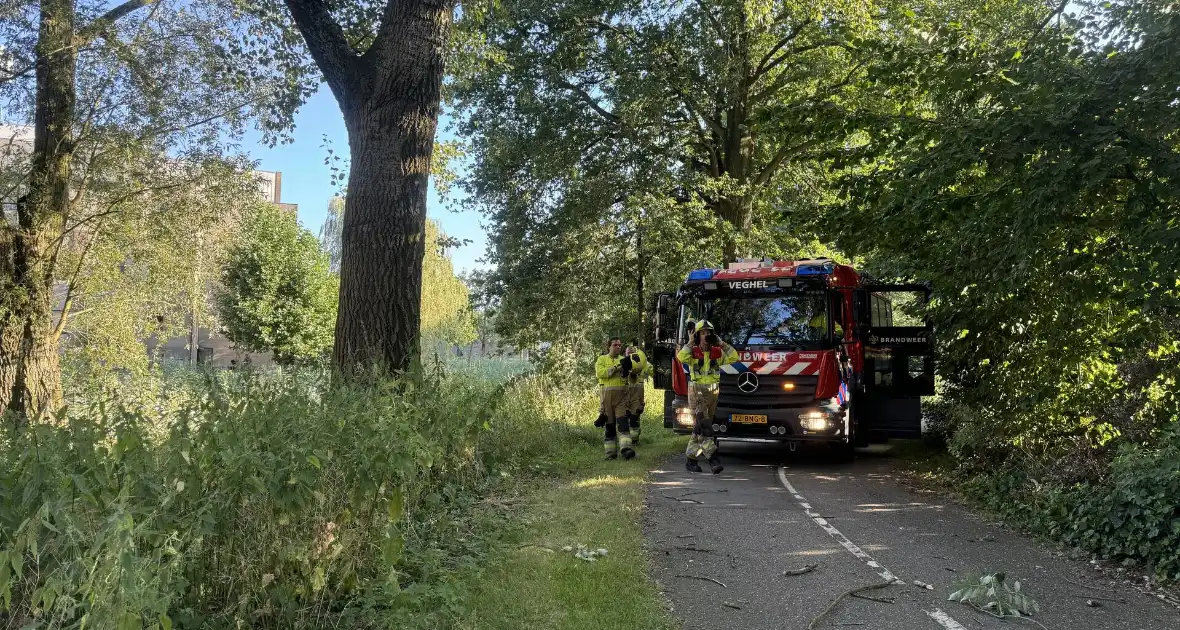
(772, 511)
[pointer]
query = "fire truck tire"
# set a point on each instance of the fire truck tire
(844, 453)
(669, 409)
(860, 429)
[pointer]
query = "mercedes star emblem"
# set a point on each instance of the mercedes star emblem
(748, 382)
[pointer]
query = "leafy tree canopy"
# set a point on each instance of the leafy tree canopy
(278, 294)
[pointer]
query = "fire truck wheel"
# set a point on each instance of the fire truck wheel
(669, 409)
(843, 453)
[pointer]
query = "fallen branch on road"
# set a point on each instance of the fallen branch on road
(807, 568)
(679, 500)
(705, 579)
(883, 600)
(851, 593)
(1095, 588)
(693, 548)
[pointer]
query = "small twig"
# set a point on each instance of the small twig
(694, 548)
(706, 579)
(871, 587)
(686, 536)
(807, 568)
(689, 494)
(1096, 588)
(1103, 599)
(883, 600)
(1006, 617)
(679, 500)
(731, 605)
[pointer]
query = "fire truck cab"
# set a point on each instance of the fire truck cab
(827, 355)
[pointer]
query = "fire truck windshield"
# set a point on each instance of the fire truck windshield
(798, 320)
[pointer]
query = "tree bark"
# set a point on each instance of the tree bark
(390, 100)
(30, 377)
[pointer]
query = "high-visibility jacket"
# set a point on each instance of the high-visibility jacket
(640, 369)
(609, 372)
(706, 370)
(821, 321)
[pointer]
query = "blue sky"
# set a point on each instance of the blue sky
(307, 182)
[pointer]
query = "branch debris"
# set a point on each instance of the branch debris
(704, 579)
(835, 602)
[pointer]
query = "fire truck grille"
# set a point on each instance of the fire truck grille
(770, 394)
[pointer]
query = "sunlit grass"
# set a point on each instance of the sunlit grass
(531, 582)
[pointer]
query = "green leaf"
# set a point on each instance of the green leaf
(394, 508)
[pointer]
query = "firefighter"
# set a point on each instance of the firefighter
(704, 355)
(820, 323)
(613, 369)
(640, 369)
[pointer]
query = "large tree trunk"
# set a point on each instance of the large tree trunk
(384, 229)
(390, 100)
(30, 378)
(737, 213)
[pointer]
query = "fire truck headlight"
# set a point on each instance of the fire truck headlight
(814, 421)
(684, 416)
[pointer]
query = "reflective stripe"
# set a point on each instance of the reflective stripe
(797, 368)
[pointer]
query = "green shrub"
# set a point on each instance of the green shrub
(1129, 514)
(1133, 514)
(266, 500)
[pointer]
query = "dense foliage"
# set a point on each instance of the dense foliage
(619, 143)
(1021, 156)
(1037, 188)
(277, 294)
(270, 501)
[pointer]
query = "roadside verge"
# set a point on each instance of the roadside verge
(535, 578)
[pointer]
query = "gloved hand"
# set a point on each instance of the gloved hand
(601, 421)
(635, 358)
(715, 353)
(697, 353)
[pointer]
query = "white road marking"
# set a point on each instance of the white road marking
(942, 618)
(885, 574)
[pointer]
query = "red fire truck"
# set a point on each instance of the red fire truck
(825, 357)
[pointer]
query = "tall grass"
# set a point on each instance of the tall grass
(267, 500)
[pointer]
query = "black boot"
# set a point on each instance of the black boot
(692, 465)
(715, 464)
